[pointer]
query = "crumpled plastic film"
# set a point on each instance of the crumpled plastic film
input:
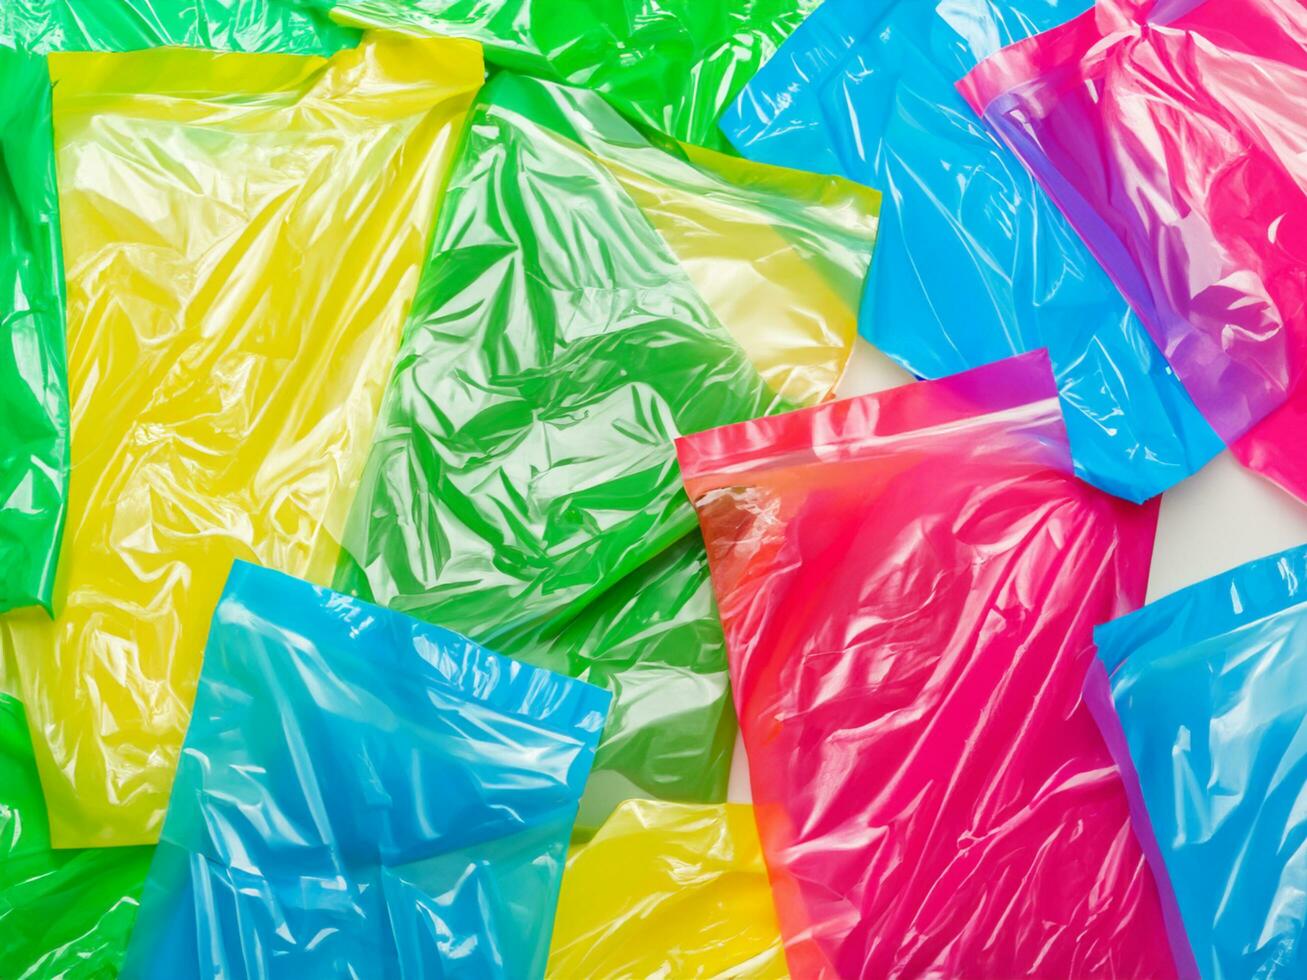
(62, 913)
(43, 26)
(594, 291)
(669, 64)
(362, 794)
(33, 379)
(908, 583)
(242, 238)
(1171, 136)
(668, 890)
(974, 263)
(1203, 697)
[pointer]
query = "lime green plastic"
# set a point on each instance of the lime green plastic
(670, 64)
(594, 290)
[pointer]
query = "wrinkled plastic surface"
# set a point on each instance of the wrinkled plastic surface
(974, 262)
(62, 913)
(594, 291)
(1203, 695)
(362, 794)
(1170, 134)
(908, 583)
(670, 64)
(668, 890)
(33, 379)
(242, 238)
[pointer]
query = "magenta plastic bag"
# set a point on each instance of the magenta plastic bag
(908, 583)
(1171, 134)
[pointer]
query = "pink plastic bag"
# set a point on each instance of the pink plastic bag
(909, 582)
(1172, 135)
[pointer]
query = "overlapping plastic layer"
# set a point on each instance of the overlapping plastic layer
(974, 262)
(1171, 136)
(62, 913)
(362, 794)
(595, 291)
(33, 379)
(242, 238)
(669, 64)
(908, 583)
(1203, 696)
(668, 890)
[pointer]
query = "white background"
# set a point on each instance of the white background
(1221, 517)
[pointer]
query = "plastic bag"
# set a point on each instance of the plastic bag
(361, 794)
(62, 913)
(908, 582)
(242, 238)
(669, 64)
(975, 263)
(690, 898)
(594, 291)
(33, 379)
(1206, 709)
(1170, 136)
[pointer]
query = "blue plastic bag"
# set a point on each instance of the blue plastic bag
(1202, 697)
(974, 263)
(362, 794)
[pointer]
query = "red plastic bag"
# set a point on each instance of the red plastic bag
(909, 583)
(1171, 133)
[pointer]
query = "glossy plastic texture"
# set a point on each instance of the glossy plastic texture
(362, 794)
(1203, 696)
(596, 290)
(908, 583)
(668, 890)
(62, 913)
(242, 238)
(974, 262)
(33, 378)
(1170, 134)
(43, 26)
(669, 64)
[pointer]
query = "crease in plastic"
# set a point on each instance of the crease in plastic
(362, 794)
(596, 289)
(975, 262)
(908, 582)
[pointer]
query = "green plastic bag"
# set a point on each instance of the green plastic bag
(64, 913)
(593, 291)
(670, 64)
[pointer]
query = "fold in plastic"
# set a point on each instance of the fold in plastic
(362, 794)
(1203, 698)
(974, 262)
(668, 890)
(33, 377)
(669, 64)
(1171, 135)
(594, 291)
(62, 913)
(242, 238)
(908, 583)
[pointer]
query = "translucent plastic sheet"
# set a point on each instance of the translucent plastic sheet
(33, 379)
(908, 583)
(1206, 710)
(974, 262)
(1171, 135)
(362, 795)
(668, 890)
(595, 291)
(62, 913)
(242, 238)
(670, 64)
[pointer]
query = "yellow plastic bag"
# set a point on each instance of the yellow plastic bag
(668, 890)
(242, 239)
